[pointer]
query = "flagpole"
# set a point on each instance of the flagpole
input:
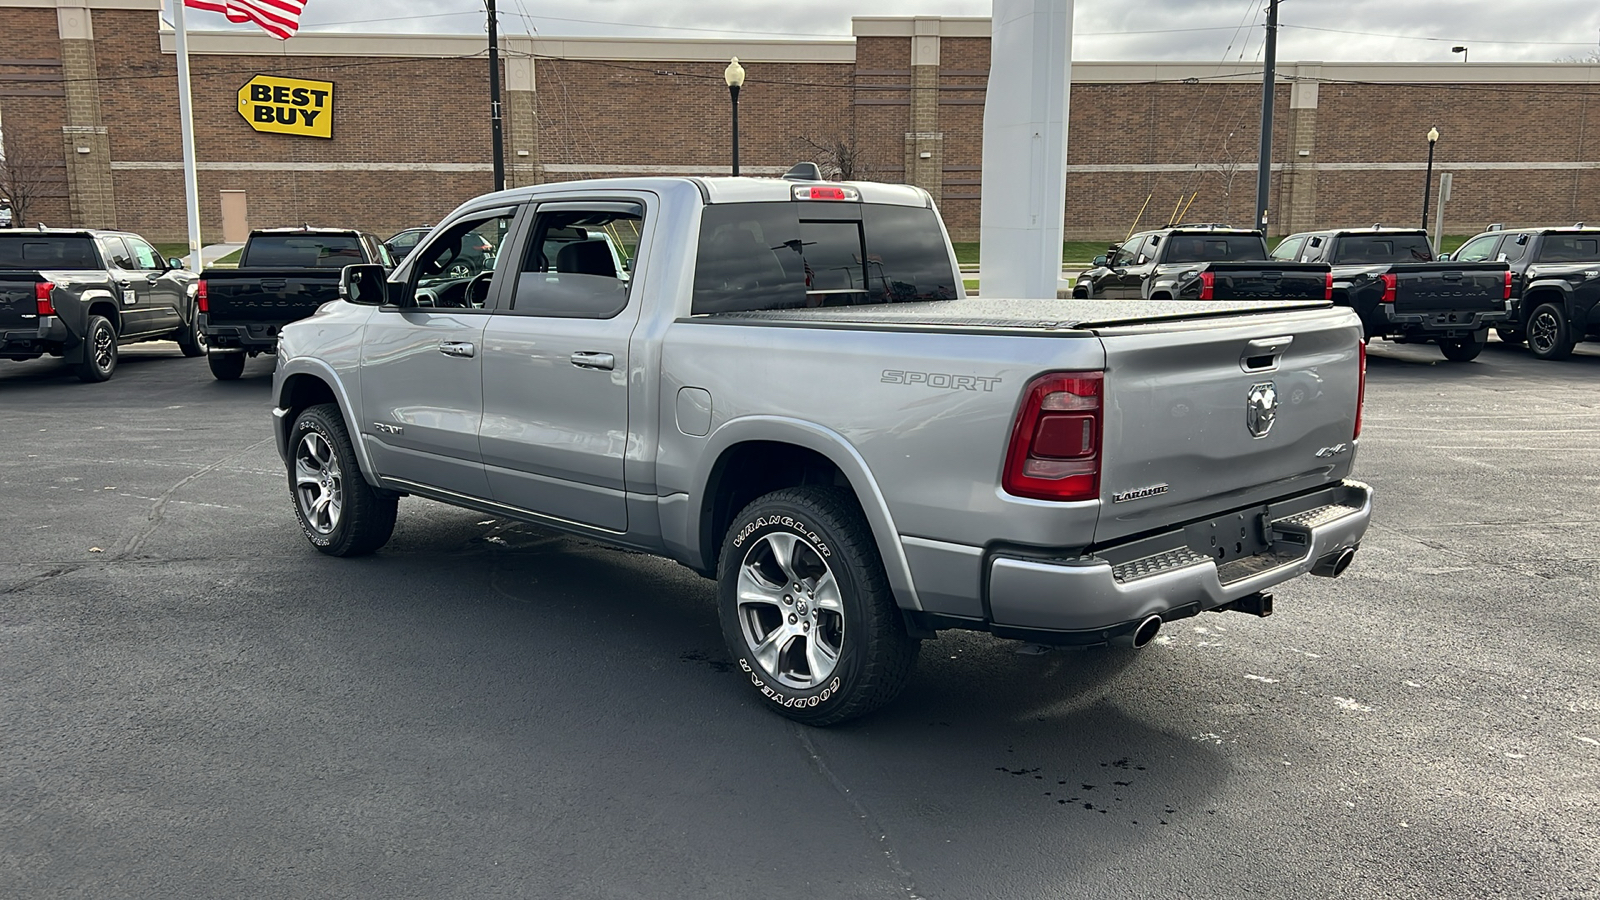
(191, 186)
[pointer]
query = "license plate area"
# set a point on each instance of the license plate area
(1237, 535)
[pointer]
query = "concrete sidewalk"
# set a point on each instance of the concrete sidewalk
(212, 252)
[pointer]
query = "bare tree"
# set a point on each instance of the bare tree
(843, 157)
(1590, 58)
(27, 173)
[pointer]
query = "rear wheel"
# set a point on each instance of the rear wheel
(1462, 349)
(99, 350)
(1549, 334)
(339, 513)
(806, 608)
(226, 366)
(192, 339)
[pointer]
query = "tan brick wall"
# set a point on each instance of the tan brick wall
(33, 102)
(652, 113)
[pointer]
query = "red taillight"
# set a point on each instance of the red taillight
(1055, 444)
(809, 192)
(1508, 285)
(1208, 282)
(1361, 389)
(201, 302)
(41, 298)
(1390, 283)
(1327, 287)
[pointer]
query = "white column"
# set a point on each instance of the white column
(191, 182)
(1025, 148)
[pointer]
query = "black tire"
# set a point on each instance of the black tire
(1461, 349)
(191, 340)
(339, 513)
(1549, 333)
(857, 622)
(1080, 293)
(226, 366)
(99, 350)
(1510, 336)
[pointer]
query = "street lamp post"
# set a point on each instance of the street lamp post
(1427, 184)
(734, 76)
(1460, 50)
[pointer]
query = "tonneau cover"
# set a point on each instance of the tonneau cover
(997, 313)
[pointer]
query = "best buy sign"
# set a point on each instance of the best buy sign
(288, 105)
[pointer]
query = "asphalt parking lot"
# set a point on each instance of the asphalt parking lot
(194, 703)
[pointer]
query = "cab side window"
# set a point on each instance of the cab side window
(1288, 248)
(145, 256)
(1514, 248)
(1478, 249)
(116, 253)
(577, 264)
(456, 268)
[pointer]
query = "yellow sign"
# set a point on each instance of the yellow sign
(288, 106)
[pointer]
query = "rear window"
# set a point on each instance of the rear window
(26, 251)
(1570, 248)
(1386, 248)
(302, 251)
(791, 255)
(1189, 248)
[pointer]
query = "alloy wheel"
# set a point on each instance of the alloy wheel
(791, 611)
(318, 483)
(1543, 331)
(104, 347)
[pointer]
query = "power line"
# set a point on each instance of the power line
(1454, 40)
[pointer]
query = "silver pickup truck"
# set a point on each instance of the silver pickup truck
(783, 387)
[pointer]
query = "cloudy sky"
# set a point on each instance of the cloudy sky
(1411, 30)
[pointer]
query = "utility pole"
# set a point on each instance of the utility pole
(494, 99)
(1268, 83)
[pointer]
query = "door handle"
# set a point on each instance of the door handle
(461, 349)
(153, 277)
(585, 359)
(124, 283)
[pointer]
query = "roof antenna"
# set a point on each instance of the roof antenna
(806, 171)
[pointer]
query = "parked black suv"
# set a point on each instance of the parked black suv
(1555, 284)
(1390, 278)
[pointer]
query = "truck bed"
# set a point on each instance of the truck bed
(275, 296)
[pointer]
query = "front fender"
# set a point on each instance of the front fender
(283, 387)
(824, 441)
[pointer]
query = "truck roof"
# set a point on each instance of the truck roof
(305, 229)
(68, 232)
(716, 189)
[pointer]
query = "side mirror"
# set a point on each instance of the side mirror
(627, 265)
(1444, 257)
(366, 284)
(1100, 261)
(174, 263)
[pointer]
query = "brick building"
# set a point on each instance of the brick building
(88, 88)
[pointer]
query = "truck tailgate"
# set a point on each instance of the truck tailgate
(1269, 281)
(277, 296)
(1206, 417)
(18, 301)
(1463, 287)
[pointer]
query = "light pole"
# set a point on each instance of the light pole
(1460, 50)
(734, 76)
(1427, 184)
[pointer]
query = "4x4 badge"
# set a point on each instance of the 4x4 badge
(1261, 408)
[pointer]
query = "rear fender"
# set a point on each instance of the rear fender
(827, 443)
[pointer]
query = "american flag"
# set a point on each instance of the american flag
(280, 18)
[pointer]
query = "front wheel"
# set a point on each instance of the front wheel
(99, 350)
(1462, 349)
(1549, 334)
(226, 366)
(339, 513)
(806, 608)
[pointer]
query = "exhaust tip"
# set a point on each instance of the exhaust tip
(1334, 564)
(1146, 632)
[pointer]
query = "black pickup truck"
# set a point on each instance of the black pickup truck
(1199, 262)
(1555, 284)
(284, 274)
(1390, 278)
(80, 294)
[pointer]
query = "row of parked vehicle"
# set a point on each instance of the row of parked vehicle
(80, 294)
(1535, 285)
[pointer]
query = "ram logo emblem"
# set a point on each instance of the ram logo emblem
(1261, 408)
